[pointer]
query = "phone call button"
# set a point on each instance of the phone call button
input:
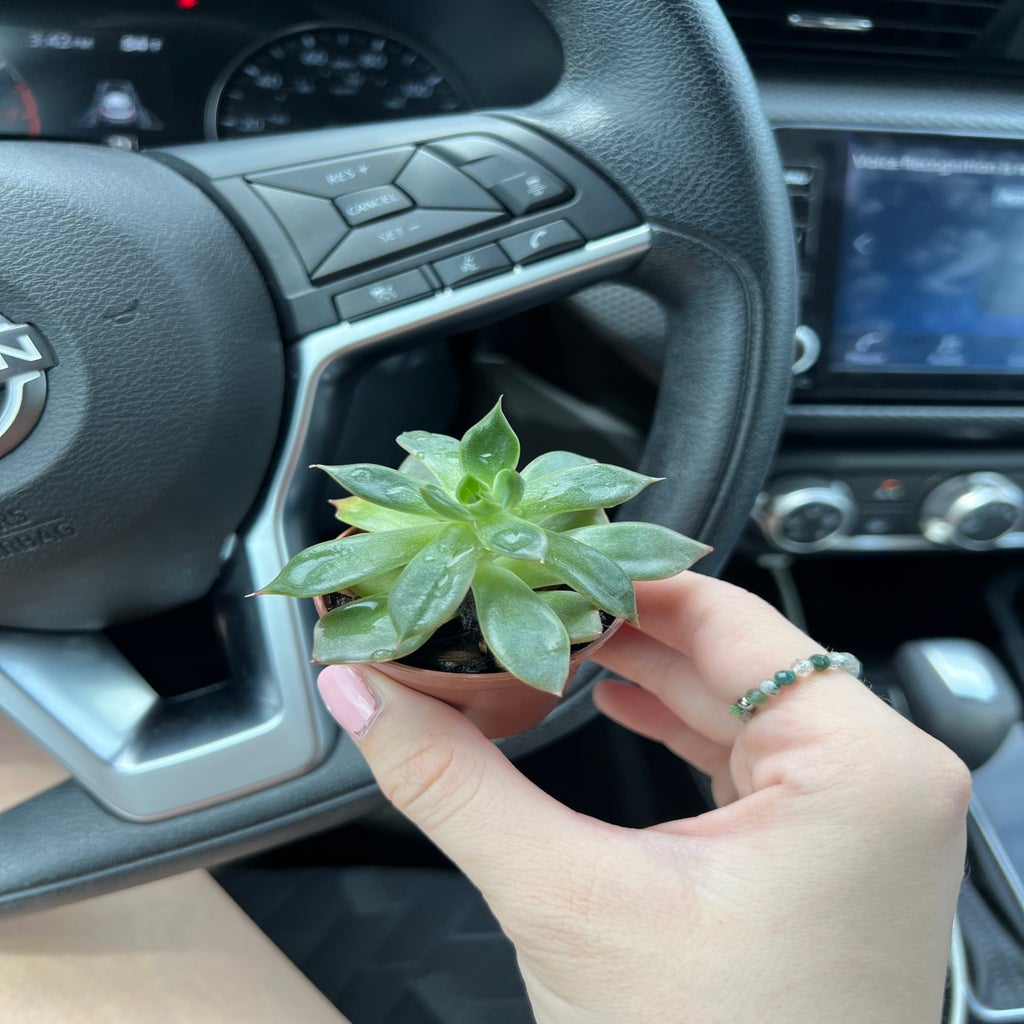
(542, 241)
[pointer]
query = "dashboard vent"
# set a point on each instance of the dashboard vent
(881, 31)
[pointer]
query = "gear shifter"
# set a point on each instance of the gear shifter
(959, 692)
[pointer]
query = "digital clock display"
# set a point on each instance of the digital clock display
(103, 86)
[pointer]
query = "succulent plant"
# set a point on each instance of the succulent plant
(459, 524)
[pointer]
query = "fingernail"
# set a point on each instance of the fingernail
(351, 700)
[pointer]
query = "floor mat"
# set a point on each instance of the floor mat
(388, 945)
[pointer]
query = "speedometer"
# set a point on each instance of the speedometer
(19, 114)
(326, 75)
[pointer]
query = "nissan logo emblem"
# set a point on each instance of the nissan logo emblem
(25, 356)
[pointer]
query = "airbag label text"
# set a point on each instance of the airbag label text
(34, 537)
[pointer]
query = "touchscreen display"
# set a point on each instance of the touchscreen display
(931, 260)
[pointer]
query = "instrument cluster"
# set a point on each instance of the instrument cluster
(160, 72)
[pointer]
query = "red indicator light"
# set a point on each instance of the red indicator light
(891, 488)
(186, 5)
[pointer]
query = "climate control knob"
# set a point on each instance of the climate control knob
(804, 514)
(972, 511)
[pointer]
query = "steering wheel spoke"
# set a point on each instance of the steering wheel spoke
(145, 757)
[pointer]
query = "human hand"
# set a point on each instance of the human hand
(821, 889)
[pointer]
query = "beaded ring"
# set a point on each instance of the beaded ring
(745, 707)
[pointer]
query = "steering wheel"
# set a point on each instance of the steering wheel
(181, 327)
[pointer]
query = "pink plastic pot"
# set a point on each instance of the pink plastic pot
(498, 703)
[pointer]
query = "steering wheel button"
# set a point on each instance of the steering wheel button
(398, 234)
(531, 191)
(464, 149)
(540, 242)
(499, 168)
(312, 224)
(432, 182)
(334, 178)
(371, 203)
(472, 266)
(383, 294)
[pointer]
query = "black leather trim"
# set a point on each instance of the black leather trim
(660, 98)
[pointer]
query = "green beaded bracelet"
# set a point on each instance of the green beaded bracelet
(745, 707)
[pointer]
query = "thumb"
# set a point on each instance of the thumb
(458, 787)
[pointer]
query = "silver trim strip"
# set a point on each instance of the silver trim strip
(147, 758)
(774, 91)
(829, 22)
(957, 978)
(999, 852)
(960, 980)
(975, 1010)
(905, 412)
(867, 544)
(982, 1014)
(964, 1004)
(913, 542)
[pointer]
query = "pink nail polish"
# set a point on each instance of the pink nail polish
(352, 702)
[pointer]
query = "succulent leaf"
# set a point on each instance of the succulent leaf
(468, 489)
(581, 487)
(438, 452)
(359, 632)
(382, 486)
(433, 584)
(417, 470)
(513, 537)
(489, 446)
(581, 619)
(378, 584)
(372, 518)
(643, 551)
(508, 489)
(444, 505)
(336, 564)
(551, 462)
(483, 507)
(533, 574)
(522, 631)
(592, 574)
(561, 522)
